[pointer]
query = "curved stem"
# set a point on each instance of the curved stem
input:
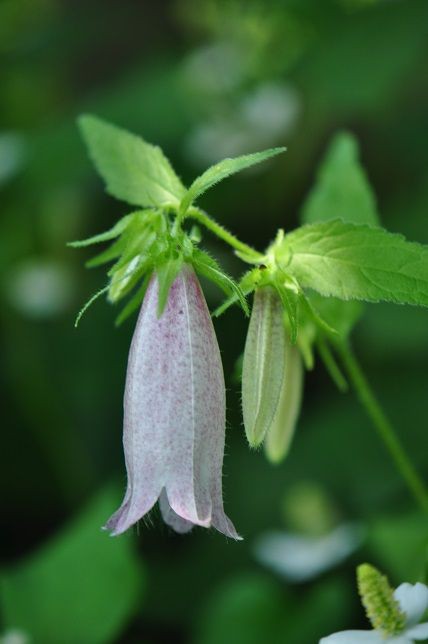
(383, 426)
(225, 235)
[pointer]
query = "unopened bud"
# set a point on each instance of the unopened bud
(281, 430)
(263, 365)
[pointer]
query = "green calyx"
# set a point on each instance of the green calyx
(148, 241)
(377, 596)
(153, 238)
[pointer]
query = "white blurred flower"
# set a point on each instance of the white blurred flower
(215, 68)
(413, 602)
(14, 636)
(262, 118)
(39, 288)
(272, 107)
(299, 558)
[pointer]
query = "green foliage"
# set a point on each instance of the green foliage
(148, 239)
(80, 587)
(399, 544)
(166, 274)
(133, 170)
(248, 609)
(331, 365)
(141, 244)
(352, 63)
(89, 303)
(209, 268)
(108, 235)
(342, 190)
(247, 285)
(221, 171)
(339, 315)
(357, 262)
(253, 608)
(290, 302)
(132, 305)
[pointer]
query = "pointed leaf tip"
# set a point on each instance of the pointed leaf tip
(134, 170)
(222, 170)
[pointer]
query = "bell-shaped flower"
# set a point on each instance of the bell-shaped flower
(174, 413)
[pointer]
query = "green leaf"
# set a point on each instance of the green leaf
(399, 543)
(89, 303)
(108, 255)
(134, 302)
(357, 262)
(289, 301)
(342, 190)
(316, 318)
(208, 267)
(166, 274)
(246, 609)
(82, 586)
(331, 365)
(117, 230)
(222, 170)
(246, 285)
(337, 314)
(139, 238)
(133, 170)
(125, 278)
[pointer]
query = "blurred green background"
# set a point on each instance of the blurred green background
(204, 79)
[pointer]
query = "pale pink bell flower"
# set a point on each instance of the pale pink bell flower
(174, 414)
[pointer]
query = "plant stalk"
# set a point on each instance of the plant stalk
(383, 426)
(225, 235)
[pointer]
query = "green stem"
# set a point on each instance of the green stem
(383, 426)
(225, 235)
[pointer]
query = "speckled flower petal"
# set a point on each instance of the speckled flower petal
(174, 411)
(177, 523)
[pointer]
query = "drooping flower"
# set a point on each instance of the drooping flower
(395, 615)
(174, 413)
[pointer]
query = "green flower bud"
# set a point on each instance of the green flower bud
(281, 430)
(263, 365)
